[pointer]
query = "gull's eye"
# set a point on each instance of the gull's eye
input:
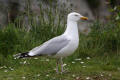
(76, 15)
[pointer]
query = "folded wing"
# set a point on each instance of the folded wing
(50, 47)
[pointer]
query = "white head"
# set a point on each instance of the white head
(74, 16)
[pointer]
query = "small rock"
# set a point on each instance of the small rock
(88, 58)
(11, 69)
(1, 67)
(77, 78)
(73, 75)
(36, 58)
(38, 75)
(47, 75)
(83, 66)
(88, 78)
(73, 62)
(4, 67)
(78, 59)
(101, 75)
(24, 62)
(23, 77)
(110, 74)
(81, 62)
(5, 70)
(47, 60)
(64, 65)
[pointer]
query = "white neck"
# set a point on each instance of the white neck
(72, 29)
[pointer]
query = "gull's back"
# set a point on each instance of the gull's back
(51, 47)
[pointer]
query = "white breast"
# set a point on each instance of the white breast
(71, 34)
(69, 49)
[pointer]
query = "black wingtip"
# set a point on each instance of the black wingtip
(21, 55)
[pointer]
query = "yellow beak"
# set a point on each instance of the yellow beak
(84, 18)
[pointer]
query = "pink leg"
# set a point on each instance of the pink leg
(61, 62)
(57, 66)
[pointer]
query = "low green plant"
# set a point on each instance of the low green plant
(103, 40)
(101, 45)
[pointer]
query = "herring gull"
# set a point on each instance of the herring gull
(60, 46)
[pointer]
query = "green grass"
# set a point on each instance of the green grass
(102, 45)
(41, 69)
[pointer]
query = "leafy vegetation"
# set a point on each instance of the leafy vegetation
(98, 53)
(97, 57)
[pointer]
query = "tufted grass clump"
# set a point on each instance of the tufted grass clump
(103, 40)
(97, 54)
(17, 37)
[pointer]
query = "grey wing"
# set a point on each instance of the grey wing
(51, 47)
